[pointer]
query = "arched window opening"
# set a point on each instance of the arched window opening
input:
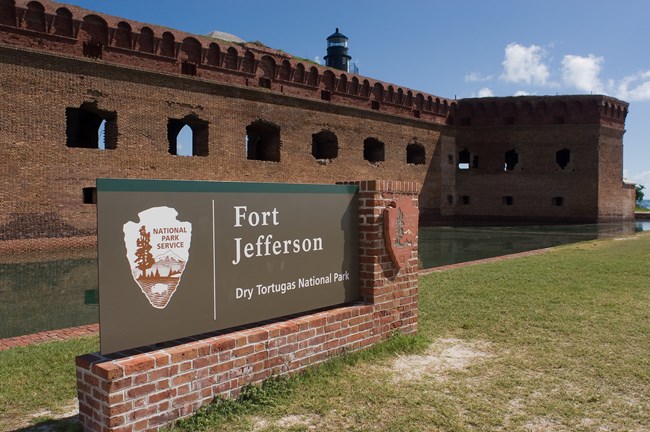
(187, 136)
(145, 40)
(373, 151)
(328, 80)
(511, 160)
(415, 154)
(409, 99)
(378, 92)
(299, 75)
(123, 35)
(191, 51)
(365, 89)
(263, 141)
(95, 35)
(167, 45)
(63, 22)
(248, 62)
(324, 145)
(95, 29)
(231, 59)
(312, 78)
(343, 84)
(35, 17)
(285, 71)
(429, 106)
(419, 101)
(214, 55)
(400, 97)
(463, 160)
(563, 157)
(354, 86)
(8, 12)
(91, 128)
(390, 95)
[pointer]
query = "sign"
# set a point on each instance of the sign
(180, 258)
(400, 230)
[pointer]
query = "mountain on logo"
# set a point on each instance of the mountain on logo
(158, 277)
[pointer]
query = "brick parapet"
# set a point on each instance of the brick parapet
(68, 29)
(146, 389)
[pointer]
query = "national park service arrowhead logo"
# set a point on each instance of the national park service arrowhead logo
(157, 248)
(401, 230)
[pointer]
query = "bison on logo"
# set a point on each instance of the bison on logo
(157, 248)
(401, 230)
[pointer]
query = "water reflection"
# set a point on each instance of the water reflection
(59, 293)
(440, 246)
(39, 296)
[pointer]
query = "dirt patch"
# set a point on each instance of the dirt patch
(286, 422)
(49, 420)
(442, 356)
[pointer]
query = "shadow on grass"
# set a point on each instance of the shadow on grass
(67, 424)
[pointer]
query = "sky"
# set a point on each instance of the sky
(466, 48)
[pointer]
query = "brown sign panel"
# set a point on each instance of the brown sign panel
(400, 230)
(179, 258)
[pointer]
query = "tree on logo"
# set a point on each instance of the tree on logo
(144, 259)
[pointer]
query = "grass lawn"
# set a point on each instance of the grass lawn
(552, 342)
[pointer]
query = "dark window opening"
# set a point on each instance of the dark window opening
(463, 160)
(415, 154)
(373, 150)
(89, 195)
(188, 68)
(450, 159)
(511, 160)
(563, 157)
(325, 95)
(88, 127)
(475, 162)
(416, 113)
(508, 200)
(35, 16)
(464, 199)
(263, 141)
(63, 22)
(375, 105)
(265, 82)
(92, 49)
(188, 136)
(8, 12)
(450, 199)
(324, 145)
(558, 201)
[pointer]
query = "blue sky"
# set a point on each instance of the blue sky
(465, 48)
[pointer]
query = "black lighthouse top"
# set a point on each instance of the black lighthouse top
(337, 51)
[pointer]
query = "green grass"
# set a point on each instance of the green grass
(566, 344)
(39, 378)
(638, 208)
(557, 342)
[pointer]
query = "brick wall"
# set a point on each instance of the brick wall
(147, 388)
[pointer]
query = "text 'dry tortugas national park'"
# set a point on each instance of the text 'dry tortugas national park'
(256, 213)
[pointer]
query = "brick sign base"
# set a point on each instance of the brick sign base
(146, 389)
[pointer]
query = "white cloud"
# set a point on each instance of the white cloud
(485, 92)
(318, 60)
(642, 178)
(477, 77)
(633, 87)
(522, 93)
(582, 72)
(524, 64)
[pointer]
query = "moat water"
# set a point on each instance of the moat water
(43, 294)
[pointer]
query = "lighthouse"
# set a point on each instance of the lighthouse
(337, 51)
